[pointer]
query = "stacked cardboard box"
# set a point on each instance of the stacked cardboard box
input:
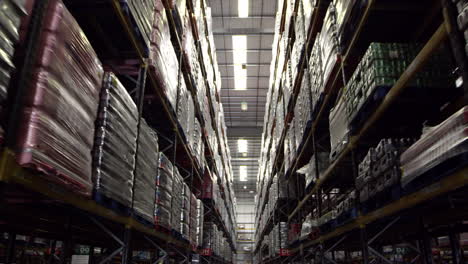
(380, 169)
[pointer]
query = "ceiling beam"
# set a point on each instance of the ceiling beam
(255, 16)
(248, 77)
(248, 64)
(248, 50)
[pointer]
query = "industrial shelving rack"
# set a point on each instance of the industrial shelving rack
(50, 212)
(429, 211)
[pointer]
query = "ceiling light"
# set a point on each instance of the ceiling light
(243, 8)
(245, 187)
(239, 46)
(244, 106)
(242, 146)
(251, 192)
(243, 173)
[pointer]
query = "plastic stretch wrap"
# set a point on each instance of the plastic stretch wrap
(115, 142)
(176, 204)
(343, 10)
(143, 14)
(146, 171)
(320, 159)
(437, 144)
(183, 111)
(57, 121)
(338, 127)
(328, 40)
(11, 12)
(316, 75)
(163, 57)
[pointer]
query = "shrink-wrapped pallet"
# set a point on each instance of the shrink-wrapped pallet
(437, 144)
(115, 142)
(145, 172)
(60, 105)
(143, 14)
(163, 59)
(11, 12)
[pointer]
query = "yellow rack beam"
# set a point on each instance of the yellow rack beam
(421, 59)
(11, 172)
(447, 184)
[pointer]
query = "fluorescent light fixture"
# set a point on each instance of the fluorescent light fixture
(242, 173)
(242, 146)
(243, 8)
(245, 187)
(251, 192)
(239, 46)
(244, 106)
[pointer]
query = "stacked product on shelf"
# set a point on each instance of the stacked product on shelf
(328, 41)
(310, 227)
(185, 212)
(302, 110)
(56, 123)
(164, 191)
(445, 143)
(192, 237)
(316, 76)
(462, 20)
(279, 239)
(163, 59)
(147, 164)
(210, 235)
(143, 15)
(346, 209)
(339, 126)
(380, 169)
(200, 215)
(344, 9)
(320, 160)
(381, 67)
(178, 186)
(185, 109)
(115, 143)
(378, 70)
(11, 12)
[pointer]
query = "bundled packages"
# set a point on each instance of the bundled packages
(143, 15)
(438, 144)
(163, 59)
(380, 169)
(164, 191)
(115, 142)
(145, 172)
(57, 119)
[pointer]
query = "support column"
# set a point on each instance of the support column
(127, 253)
(10, 253)
(364, 246)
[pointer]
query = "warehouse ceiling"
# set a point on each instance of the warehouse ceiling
(243, 33)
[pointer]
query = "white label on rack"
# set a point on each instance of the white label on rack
(80, 259)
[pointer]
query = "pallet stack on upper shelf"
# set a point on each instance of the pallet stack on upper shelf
(344, 104)
(159, 92)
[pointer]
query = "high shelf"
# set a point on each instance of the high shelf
(35, 207)
(403, 213)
